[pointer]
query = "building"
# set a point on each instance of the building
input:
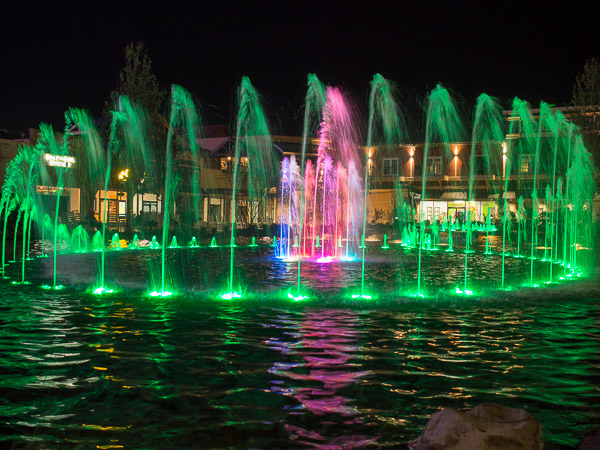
(462, 180)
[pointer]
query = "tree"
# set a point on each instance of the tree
(586, 100)
(138, 82)
(140, 85)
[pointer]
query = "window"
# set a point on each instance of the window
(122, 208)
(226, 164)
(149, 207)
(525, 163)
(434, 165)
(390, 166)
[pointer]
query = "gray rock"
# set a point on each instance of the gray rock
(486, 427)
(591, 441)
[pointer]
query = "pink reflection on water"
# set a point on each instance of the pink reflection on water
(307, 438)
(323, 352)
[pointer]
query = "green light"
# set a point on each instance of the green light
(363, 296)
(102, 290)
(230, 295)
(465, 292)
(160, 294)
(20, 282)
(58, 287)
(297, 298)
(385, 246)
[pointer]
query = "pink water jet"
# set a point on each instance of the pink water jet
(333, 200)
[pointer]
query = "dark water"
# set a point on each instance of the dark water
(189, 371)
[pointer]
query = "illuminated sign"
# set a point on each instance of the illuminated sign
(59, 160)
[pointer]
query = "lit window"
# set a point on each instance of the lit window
(390, 166)
(525, 165)
(434, 165)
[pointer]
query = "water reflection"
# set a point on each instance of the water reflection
(321, 359)
(82, 371)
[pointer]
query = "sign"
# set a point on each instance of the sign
(65, 161)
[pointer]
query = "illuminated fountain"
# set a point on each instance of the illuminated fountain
(332, 193)
(323, 200)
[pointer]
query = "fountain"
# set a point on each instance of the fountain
(534, 176)
(252, 139)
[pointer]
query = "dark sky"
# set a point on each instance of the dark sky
(69, 54)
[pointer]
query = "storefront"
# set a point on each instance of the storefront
(457, 210)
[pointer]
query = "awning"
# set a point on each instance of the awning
(454, 196)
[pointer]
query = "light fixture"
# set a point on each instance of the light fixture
(124, 175)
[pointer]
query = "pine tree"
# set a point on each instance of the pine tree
(586, 100)
(138, 82)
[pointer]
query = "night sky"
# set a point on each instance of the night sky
(70, 54)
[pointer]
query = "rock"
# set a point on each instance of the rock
(487, 426)
(590, 441)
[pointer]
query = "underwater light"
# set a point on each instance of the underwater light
(160, 294)
(465, 292)
(325, 260)
(231, 295)
(364, 296)
(297, 298)
(58, 287)
(102, 290)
